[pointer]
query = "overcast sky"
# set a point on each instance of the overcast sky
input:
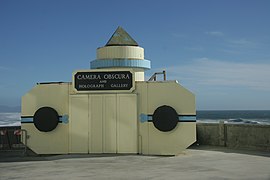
(220, 50)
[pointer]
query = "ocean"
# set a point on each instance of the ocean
(235, 116)
(10, 119)
(239, 117)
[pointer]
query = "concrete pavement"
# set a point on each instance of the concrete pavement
(199, 163)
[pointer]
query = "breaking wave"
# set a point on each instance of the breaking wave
(10, 119)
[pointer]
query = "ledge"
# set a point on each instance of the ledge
(111, 63)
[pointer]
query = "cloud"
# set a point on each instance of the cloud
(234, 42)
(207, 72)
(243, 42)
(215, 33)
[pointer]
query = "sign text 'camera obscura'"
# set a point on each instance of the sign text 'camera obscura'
(95, 81)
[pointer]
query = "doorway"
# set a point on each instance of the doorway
(103, 123)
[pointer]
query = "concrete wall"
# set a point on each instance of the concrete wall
(240, 136)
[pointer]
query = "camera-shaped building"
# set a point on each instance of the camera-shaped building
(110, 108)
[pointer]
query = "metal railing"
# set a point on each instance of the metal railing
(154, 76)
(12, 139)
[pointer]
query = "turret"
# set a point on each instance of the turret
(122, 51)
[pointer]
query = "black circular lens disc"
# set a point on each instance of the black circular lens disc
(46, 119)
(165, 118)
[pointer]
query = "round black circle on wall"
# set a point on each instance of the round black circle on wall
(46, 119)
(165, 118)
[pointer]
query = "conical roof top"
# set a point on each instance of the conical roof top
(121, 38)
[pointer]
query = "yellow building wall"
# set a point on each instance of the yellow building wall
(151, 96)
(50, 95)
(170, 93)
(103, 123)
(127, 131)
(78, 124)
(110, 123)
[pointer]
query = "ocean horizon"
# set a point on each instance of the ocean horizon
(210, 116)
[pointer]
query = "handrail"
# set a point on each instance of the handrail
(7, 139)
(154, 76)
(25, 140)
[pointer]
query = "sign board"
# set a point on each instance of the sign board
(103, 81)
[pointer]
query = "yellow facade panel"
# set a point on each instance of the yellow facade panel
(38, 97)
(96, 119)
(127, 123)
(141, 90)
(54, 142)
(78, 124)
(170, 93)
(109, 123)
(173, 142)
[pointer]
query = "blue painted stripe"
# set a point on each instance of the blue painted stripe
(187, 118)
(181, 118)
(131, 63)
(143, 118)
(62, 119)
(26, 120)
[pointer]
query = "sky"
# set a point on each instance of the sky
(219, 50)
